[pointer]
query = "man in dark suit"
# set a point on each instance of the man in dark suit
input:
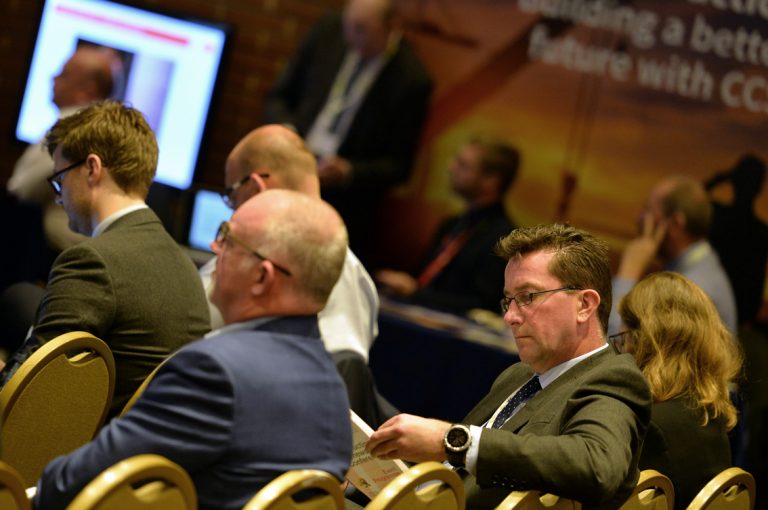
(256, 398)
(358, 94)
(460, 271)
(570, 419)
(129, 284)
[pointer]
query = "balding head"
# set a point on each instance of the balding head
(301, 234)
(276, 158)
(86, 77)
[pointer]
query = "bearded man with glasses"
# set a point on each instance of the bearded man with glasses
(571, 417)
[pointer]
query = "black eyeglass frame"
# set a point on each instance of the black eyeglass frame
(55, 179)
(226, 195)
(506, 301)
(224, 233)
(619, 341)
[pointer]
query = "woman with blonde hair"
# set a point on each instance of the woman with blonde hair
(691, 361)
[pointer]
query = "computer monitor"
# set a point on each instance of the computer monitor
(208, 211)
(166, 66)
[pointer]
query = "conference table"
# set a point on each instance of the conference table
(436, 364)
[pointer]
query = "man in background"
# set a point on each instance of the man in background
(673, 229)
(359, 95)
(460, 271)
(571, 417)
(129, 283)
(252, 400)
(85, 78)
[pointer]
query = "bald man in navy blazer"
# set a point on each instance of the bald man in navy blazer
(259, 396)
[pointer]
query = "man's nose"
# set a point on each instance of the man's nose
(513, 316)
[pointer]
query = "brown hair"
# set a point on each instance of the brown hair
(681, 344)
(115, 132)
(580, 261)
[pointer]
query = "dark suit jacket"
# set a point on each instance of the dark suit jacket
(579, 437)
(384, 134)
(474, 278)
(235, 410)
(678, 446)
(133, 287)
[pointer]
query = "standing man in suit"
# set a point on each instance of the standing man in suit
(357, 92)
(673, 229)
(571, 417)
(129, 284)
(461, 272)
(256, 398)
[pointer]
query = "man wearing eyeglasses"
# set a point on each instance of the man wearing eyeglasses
(256, 398)
(571, 417)
(129, 284)
(274, 157)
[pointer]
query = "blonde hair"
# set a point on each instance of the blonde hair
(681, 344)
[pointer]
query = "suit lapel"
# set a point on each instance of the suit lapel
(539, 403)
(509, 381)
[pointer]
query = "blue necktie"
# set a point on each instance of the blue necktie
(527, 391)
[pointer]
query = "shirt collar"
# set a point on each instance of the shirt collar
(553, 373)
(109, 220)
(240, 326)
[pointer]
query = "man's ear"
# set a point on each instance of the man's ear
(260, 182)
(95, 169)
(262, 283)
(588, 304)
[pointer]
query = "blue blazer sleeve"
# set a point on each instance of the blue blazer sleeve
(185, 415)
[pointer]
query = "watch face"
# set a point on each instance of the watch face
(457, 437)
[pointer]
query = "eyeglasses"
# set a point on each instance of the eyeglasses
(55, 179)
(227, 194)
(225, 233)
(619, 341)
(526, 298)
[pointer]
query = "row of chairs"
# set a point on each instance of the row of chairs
(151, 482)
(59, 397)
(733, 489)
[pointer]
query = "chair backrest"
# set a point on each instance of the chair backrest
(732, 489)
(409, 492)
(143, 386)
(55, 402)
(12, 492)
(654, 491)
(536, 500)
(143, 482)
(279, 493)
